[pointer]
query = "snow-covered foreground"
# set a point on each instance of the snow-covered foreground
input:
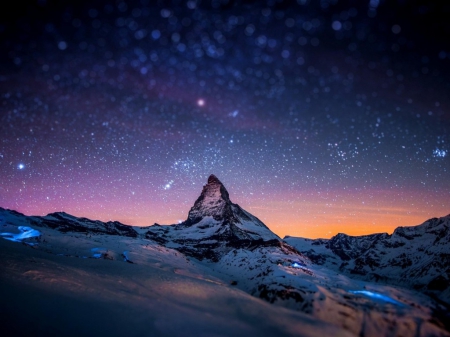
(81, 284)
(50, 289)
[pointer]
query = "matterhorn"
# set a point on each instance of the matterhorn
(214, 226)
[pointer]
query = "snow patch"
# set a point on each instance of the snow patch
(376, 296)
(98, 253)
(126, 258)
(25, 233)
(299, 265)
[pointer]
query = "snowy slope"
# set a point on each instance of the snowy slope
(417, 256)
(58, 288)
(64, 222)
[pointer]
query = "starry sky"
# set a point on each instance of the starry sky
(319, 117)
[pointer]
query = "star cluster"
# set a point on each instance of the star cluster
(318, 116)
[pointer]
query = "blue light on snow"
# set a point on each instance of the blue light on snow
(25, 233)
(98, 252)
(126, 256)
(97, 249)
(299, 265)
(376, 296)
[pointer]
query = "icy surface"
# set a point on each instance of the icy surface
(25, 233)
(376, 296)
(98, 253)
(126, 255)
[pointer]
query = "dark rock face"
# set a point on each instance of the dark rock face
(213, 201)
(271, 295)
(439, 283)
(350, 247)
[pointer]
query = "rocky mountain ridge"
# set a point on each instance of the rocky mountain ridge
(416, 256)
(64, 222)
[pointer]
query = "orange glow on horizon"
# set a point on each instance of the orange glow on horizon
(309, 214)
(377, 212)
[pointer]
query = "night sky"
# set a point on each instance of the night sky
(318, 116)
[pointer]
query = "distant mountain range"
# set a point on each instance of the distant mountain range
(417, 257)
(331, 280)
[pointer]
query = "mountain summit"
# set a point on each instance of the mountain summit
(214, 226)
(214, 201)
(215, 208)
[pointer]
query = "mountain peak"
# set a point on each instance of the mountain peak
(214, 189)
(214, 201)
(214, 209)
(214, 226)
(214, 180)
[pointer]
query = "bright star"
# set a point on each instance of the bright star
(201, 102)
(168, 185)
(21, 166)
(234, 113)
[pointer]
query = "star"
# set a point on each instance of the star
(439, 153)
(234, 113)
(200, 102)
(21, 166)
(168, 185)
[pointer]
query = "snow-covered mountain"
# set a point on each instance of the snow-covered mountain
(64, 222)
(417, 257)
(221, 250)
(214, 226)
